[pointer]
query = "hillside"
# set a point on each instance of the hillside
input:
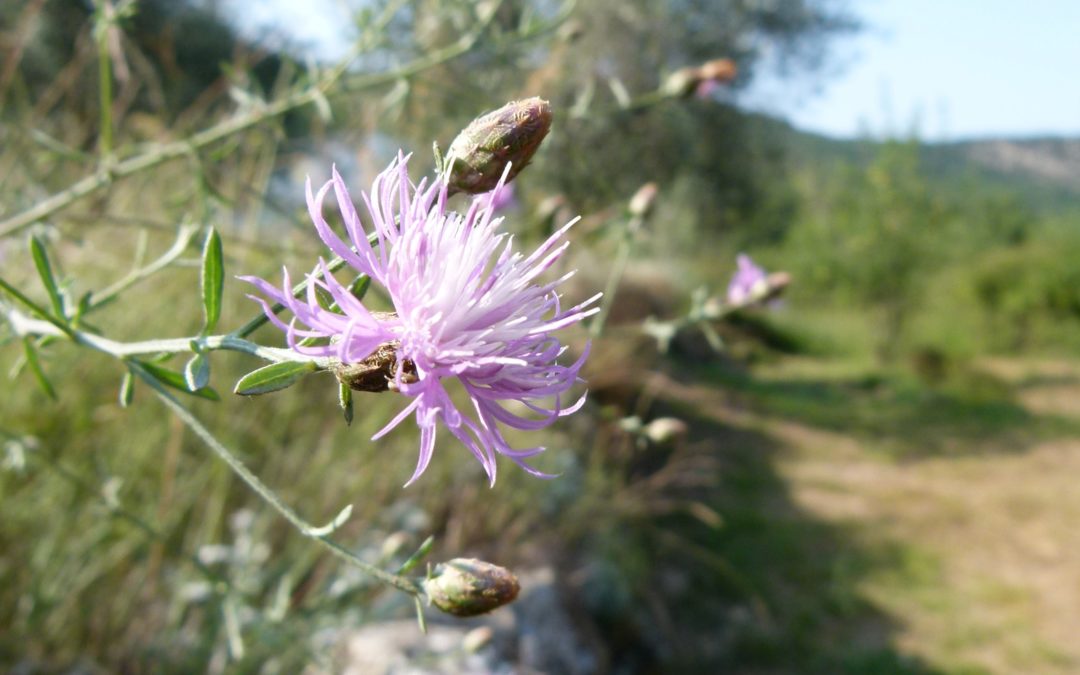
(1044, 173)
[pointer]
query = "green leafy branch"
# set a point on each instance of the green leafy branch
(288, 366)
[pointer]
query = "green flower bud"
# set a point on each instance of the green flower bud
(479, 155)
(468, 587)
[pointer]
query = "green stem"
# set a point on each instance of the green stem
(133, 165)
(23, 325)
(105, 20)
(110, 293)
(401, 583)
(618, 268)
(642, 102)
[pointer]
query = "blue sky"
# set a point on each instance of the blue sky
(944, 69)
(947, 69)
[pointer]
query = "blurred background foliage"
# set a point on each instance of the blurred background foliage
(125, 547)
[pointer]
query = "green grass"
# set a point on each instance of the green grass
(892, 408)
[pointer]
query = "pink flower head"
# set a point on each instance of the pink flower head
(466, 307)
(748, 281)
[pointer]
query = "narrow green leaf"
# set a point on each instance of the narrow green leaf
(213, 279)
(312, 341)
(345, 399)
(84, 305)
(333, 525)
(44, 268)
(35, 367)
(27, 302)
(437, 152)
(359, 287)
(176, 380)
(420, 614)
(322, 106)
(274, 377)
(127, 389)
(417, 557)
(325, 300)
(197, 372)
(34, 307)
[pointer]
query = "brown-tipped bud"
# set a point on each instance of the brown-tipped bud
(467, 587)
(642, 201)
(686, 81)
(510, 134)
(718, 70)
(775, 284)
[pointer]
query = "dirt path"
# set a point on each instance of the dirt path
(989, 576)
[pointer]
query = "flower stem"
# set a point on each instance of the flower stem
(107, 295)
(618, 268)
(106, 23)
(24, 325)
(240, 469)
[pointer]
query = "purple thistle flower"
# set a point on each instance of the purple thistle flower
(749, 280)
(467, 307)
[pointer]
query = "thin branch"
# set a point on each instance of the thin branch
(165, 153)
(401, 583)
(23, 325)
(107, 295)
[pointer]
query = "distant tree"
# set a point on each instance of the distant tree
(610, 48)
(873, 235)
(170, 55)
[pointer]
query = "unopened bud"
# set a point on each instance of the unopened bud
(776, 283)
(642, 201)
(511, 134)
(665, 429)
(718, 70)
(686, 81)
(682, 82)
(467, 587)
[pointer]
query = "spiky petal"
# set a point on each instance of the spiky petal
(467, 307)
